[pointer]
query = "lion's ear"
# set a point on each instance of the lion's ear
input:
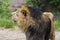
(24, 12)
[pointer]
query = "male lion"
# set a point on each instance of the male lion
(36, 24)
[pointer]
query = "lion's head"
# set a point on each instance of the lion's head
(23, 18)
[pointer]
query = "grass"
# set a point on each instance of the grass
(6, 20)
(5, 16)
(6, 23)
(57, 25)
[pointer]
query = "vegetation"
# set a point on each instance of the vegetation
(45, 5)
(57, 25)
(5, 16)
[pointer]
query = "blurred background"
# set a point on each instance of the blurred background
(8, 6)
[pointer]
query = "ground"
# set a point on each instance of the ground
(16, 34)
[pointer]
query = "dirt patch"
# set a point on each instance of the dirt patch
(16, 34)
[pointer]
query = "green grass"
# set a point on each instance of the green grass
(6, 20)
(5, 16)
(57, 25)
(6, 23)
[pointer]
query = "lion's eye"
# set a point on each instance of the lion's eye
(24, 13)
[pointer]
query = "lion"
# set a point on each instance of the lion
(36, 24)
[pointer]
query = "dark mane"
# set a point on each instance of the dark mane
(35, 12)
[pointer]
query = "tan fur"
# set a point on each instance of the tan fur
(52, 33)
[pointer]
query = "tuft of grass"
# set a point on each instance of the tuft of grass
(57, 25)
(7, 23)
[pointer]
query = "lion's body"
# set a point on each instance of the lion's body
(34, 23)
(52, 33)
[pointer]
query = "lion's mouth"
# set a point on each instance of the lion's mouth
(14, 20)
